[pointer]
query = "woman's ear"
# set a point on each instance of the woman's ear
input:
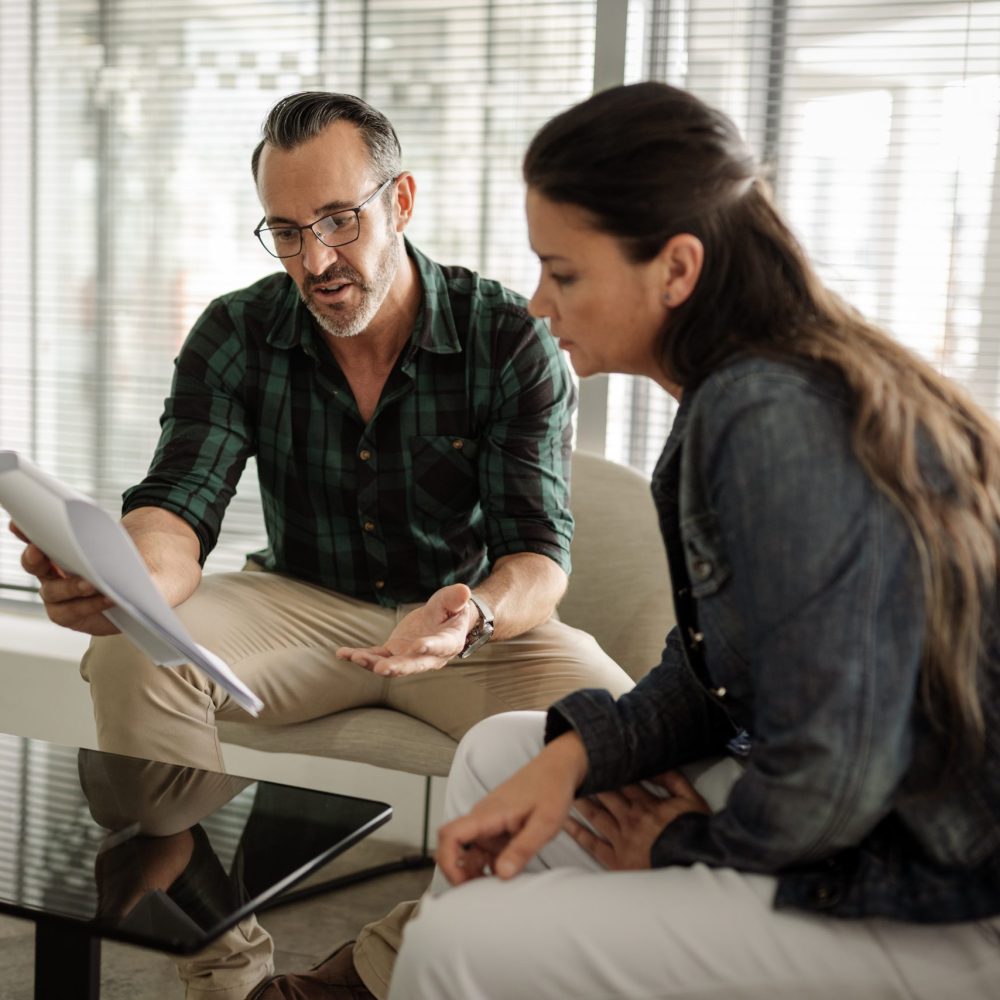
(680, 263)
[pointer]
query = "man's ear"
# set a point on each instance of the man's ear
(680, 261)
(404, 194)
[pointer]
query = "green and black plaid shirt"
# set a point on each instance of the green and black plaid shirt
(465, 460)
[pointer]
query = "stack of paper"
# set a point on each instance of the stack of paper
(82, 538)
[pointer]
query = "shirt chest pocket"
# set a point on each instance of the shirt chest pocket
(445, 475)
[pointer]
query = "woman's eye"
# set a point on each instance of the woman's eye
(562, 280)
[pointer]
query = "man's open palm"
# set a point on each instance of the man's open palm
(425, 639)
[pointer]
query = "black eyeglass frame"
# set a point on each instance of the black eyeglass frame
(357, 210)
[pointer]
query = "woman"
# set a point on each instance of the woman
(830, 507)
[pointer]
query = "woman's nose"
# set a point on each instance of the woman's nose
(538, 306)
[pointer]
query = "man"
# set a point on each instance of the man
(410, 425)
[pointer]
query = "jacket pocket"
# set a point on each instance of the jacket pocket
(445, 475)
(704, 556)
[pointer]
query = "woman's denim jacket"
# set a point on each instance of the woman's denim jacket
(800, 615)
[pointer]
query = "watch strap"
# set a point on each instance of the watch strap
(482, 631)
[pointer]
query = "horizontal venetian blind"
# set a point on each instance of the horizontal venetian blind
(878, 124)
(125, 124)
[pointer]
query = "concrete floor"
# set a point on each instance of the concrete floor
(304, 933)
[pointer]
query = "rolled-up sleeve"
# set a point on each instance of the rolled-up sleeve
(524, 465)
(205, 439)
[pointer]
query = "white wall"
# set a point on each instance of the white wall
(43, 696)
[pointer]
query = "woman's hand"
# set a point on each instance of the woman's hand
(629, 821)
(507, 827)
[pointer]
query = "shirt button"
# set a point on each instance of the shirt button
(369, 526)
(458, 444)
(364, 454)
(379, 584)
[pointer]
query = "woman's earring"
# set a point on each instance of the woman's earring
(666, 298)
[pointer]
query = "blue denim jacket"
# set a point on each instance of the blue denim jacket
(800, 617)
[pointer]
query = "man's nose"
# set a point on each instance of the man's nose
(316, 255)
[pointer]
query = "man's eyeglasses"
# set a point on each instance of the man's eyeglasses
(334, 230)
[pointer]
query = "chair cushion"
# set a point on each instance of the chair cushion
(619, 590)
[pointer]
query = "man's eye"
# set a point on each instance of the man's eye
(562, 280)
(333, 223)
(284, 235)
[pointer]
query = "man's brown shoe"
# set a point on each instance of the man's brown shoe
(335, 978)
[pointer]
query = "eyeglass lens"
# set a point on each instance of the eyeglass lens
(333, 231)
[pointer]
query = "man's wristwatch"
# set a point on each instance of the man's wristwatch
(481, 632)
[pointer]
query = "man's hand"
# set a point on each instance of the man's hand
(168, 546)
(508, 827)
(425, 639)
(629, 821)
(69, 600)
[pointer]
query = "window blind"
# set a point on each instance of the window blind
(124, 124)
(877, 124)
(127, 126)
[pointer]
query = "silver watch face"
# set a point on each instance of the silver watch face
(480, 634)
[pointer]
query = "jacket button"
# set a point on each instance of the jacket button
(826, 895)
(458, 444)
(364, 454)
(701, 568)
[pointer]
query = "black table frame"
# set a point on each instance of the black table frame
(68, 951)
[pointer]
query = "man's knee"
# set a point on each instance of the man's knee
(112, 661)
(125, 685)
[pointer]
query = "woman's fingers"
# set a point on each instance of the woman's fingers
(459, 840)
(534, 835)
(679, 786)
(592, 844)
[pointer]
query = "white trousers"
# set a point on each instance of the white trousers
(567, 929)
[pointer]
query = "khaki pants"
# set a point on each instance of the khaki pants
(279, 635)
(566, 927)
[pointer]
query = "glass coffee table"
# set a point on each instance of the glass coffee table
(95, 845)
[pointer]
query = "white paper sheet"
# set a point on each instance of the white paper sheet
(84, 539)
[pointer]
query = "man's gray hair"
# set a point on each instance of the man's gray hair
(300, 117)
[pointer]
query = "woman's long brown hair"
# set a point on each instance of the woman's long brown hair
(649, 161)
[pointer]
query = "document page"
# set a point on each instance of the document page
(82, 538)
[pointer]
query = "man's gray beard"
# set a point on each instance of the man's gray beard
(373, 295)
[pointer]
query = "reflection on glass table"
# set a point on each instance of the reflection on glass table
(97, 845)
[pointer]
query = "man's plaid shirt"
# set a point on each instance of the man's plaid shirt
(465, 460)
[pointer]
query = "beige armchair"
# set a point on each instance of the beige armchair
(619, 591)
